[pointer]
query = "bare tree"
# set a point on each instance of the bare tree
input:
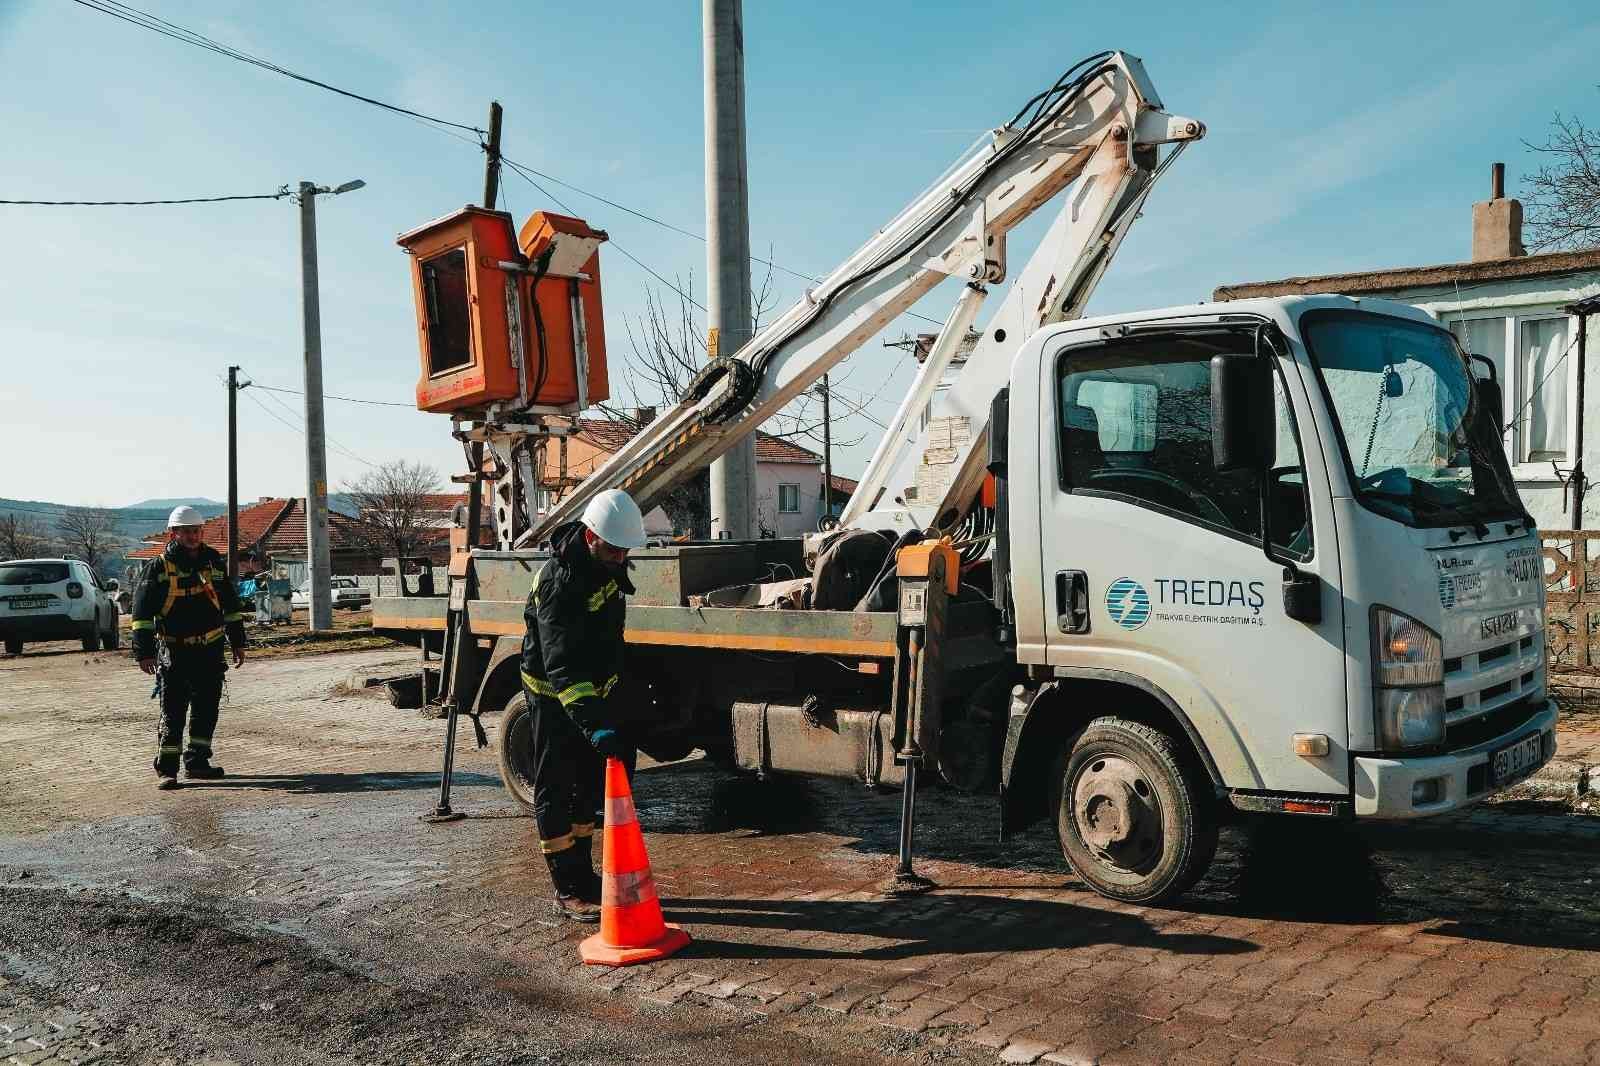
(393, 511)
(22, 537)
(669, 349)
(88, 533)
(1564, 199)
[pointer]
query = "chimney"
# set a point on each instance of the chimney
(644, 415)
(1497, 222)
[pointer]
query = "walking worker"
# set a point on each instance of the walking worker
(571, 662)
(187, 604)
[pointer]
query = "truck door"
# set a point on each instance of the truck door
(1153, 568)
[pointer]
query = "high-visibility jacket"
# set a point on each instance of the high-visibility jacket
(572, 652)
(187, 601)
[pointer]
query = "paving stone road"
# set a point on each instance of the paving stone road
(1470, 940)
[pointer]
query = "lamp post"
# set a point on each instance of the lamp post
(318, 564)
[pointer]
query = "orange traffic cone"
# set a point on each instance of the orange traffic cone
(631, 927)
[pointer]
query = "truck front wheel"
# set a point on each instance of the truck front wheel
(516, 751)
(1134, 821)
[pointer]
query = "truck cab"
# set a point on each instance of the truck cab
(1268, 551)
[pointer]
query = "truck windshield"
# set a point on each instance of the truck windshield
(1403, 398)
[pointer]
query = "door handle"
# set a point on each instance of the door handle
(1072, 601)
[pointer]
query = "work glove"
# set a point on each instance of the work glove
(609, 742)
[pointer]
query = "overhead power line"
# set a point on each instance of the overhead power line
(329, 396)
(166, 28)
(147, 21)
(300, 429)
(279, 195)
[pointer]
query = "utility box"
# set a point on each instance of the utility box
(566, 330)
(497, 326)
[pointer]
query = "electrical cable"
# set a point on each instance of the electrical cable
(329, 396)
(155, 24)
(279, 195)
(1061, 93)
(300, 429)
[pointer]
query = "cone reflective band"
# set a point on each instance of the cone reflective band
(631, 927)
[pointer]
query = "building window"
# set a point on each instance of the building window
(1530, 357)
(788, 499)
(1542, 390)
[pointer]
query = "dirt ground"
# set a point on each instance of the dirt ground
(299, 912)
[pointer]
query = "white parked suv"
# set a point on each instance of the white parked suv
(345, 592)
(56, 599)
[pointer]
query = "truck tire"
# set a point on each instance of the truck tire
(91, 638)
(1134, 821)
(515, 744)
(13, 646)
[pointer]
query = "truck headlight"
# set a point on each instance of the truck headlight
(1408, 681)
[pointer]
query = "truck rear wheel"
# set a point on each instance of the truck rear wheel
(516, 751)
(1134, 821)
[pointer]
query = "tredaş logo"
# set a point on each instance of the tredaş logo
(1128, 603)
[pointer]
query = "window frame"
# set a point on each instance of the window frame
(1514, 440)
(1064, 485)
(795, 485)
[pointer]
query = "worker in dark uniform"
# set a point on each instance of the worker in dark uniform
(571, 662)
(186, 603)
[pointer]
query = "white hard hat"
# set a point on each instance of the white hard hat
(185, 516)
(614, 518)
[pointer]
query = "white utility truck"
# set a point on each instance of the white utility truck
(1134, 573)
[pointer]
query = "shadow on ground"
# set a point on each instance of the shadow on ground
(403, 781)
(1483, 883)
(933, 925)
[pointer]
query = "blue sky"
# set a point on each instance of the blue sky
(1342, 137)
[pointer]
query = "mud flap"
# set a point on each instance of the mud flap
(1016, 813)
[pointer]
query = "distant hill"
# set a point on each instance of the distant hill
(189, 501)
(132, 523)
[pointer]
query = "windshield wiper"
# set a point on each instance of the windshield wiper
(1423, 507)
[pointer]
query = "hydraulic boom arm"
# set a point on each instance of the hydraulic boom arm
(1102, 123)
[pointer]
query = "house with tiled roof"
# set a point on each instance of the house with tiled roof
(789, 497)
(272, 532)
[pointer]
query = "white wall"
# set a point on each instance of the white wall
(809, 477)
(1542, 492)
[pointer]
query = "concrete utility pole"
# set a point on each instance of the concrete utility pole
(318, 565)
(728, 309)
(233, 472)
(827, 452)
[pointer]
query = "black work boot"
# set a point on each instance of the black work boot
(565, 874)
(590, 881)
(202, 770)
(166, 775)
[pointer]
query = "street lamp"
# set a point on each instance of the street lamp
(318, 564)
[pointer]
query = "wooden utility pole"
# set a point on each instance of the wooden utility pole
(491, 191)
(233, 472)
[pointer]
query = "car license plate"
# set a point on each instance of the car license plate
(29, 603)
(1517, 760)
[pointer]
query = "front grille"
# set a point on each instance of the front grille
(1486, 681)
(1486, 727)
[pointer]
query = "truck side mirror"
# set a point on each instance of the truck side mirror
(1241, 412)
(1491, 404)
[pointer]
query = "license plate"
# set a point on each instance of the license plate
(30, 604)
(1517, 760)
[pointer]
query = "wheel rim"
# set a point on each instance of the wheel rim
(1117, 813)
